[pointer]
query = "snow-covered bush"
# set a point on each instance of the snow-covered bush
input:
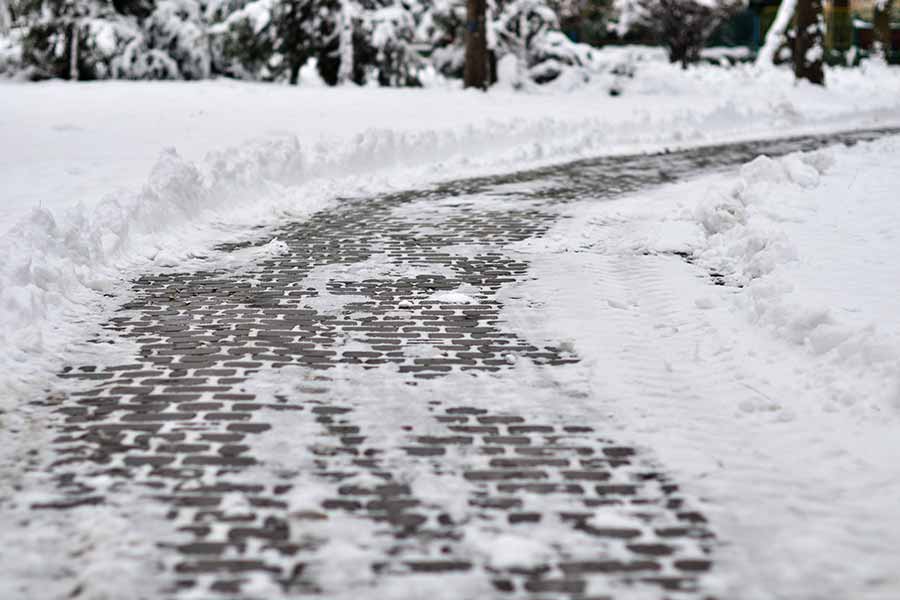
(395, 61)
(303, 29)
(554, 54)
(93, 39)
(529, 30)
(78, 39)
(125, 55)
(11, 53)
(519, 26)
(218, 11)
(389, 42)
(271, 40)
(351, 40)
(243, 44)
(441, 29)
(136, 60)
(350, 56)
(682, 26)
(176, 27)
(171, 43)
(375, 42)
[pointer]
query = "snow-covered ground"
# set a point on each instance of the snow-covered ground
(776, 395)
(107, 178)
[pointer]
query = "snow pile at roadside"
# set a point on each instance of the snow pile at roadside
(775, 396)
(81, 211)
(807, 242)
(813, 239)
(61, 271)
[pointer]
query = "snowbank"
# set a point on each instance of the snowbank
(775, 396)
(811, 240)
(103, 180)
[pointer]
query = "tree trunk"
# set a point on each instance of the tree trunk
(678, 54)
(5, 17)
(883, 27)
(476, 68)
(809, 43)
(295, 74)
(345, 70)
(491, 41)
(522, 58)
(73, 53)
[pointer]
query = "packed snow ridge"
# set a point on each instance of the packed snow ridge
(804, 248)
(813, 245)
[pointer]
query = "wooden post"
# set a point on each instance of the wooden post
(476, 69)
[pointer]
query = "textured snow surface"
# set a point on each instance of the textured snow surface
(775, 396)
(788, 434)
(105, 180)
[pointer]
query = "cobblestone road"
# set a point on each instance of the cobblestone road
(182, 422)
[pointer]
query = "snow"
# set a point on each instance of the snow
(454, 298)
(387, 408)
(92, 551)
(775, 35)
(258, 14)
(774, 396)
(108, 179)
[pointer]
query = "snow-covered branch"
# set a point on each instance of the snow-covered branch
(776, 34)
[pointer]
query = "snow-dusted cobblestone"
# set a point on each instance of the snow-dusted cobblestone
(350, 416)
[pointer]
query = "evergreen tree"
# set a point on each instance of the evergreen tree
(375, 42)
(130, 39)
(72, 39)
(304, 29)
(352, 44)
(518, 27)
(442, 29)
(396, 62)
(364, 41)
(177, 28)
(242, 39)
(682, 26)
(584, 20)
